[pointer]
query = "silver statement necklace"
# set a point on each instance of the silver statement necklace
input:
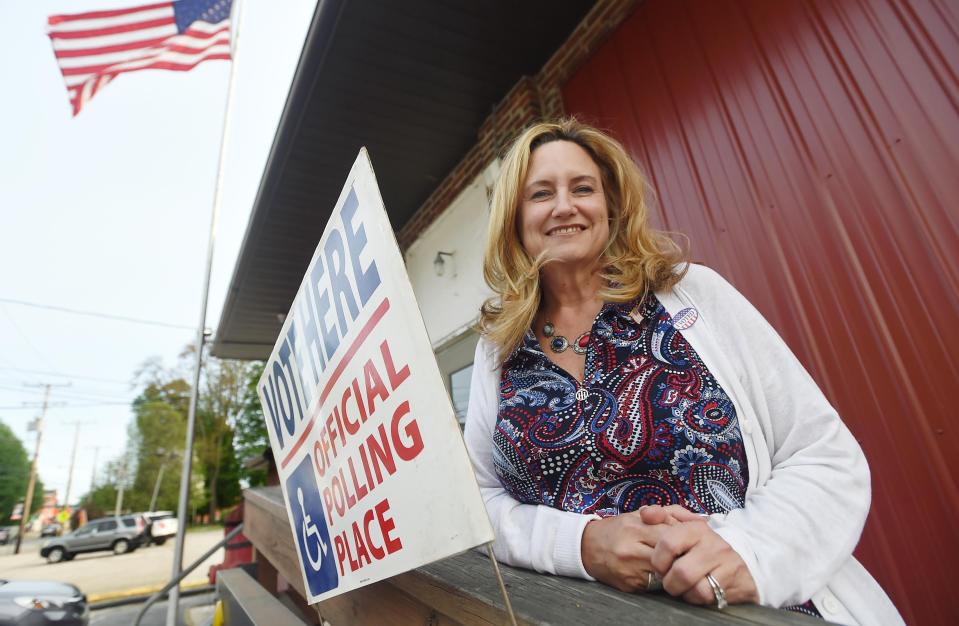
(559, 343)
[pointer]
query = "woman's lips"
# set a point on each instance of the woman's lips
(569, 229)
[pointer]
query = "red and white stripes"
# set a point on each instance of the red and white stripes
(93, 48)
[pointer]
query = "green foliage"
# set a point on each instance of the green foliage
(160, 426)
(102, 498)
(100, 501)
(14, 475)
(157, 437)
(250, 438)
(221, 405)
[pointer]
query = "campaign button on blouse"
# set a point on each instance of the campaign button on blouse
(685, 318)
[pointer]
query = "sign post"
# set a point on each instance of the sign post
(374, 471)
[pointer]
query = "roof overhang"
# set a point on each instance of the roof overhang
(411, 81)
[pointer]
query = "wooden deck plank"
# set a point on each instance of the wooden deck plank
(463, 590)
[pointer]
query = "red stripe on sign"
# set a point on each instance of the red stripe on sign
(112, 30)
(92, 15)
(357, 343)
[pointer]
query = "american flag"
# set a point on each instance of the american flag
(95, 47)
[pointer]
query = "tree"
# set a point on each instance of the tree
(157, 433)
(14, 475)
(160, 428)
(222, 401)
(250, 438)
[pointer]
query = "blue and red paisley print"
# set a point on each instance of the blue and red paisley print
(655, 426)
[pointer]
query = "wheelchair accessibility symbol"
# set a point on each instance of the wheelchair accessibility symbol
(311, 536)
(309, 526)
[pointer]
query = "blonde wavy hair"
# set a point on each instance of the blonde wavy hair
(637, 258)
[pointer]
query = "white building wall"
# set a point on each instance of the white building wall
(450, 303)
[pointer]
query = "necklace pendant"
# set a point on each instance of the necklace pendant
(558, 344)
(582, 343)
(582, 394)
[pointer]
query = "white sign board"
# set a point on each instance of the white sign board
(373, 468)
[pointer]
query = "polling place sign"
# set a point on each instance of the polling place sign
(374, 471)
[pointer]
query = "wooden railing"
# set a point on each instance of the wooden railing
(463, 590)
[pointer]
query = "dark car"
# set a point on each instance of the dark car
(51, 530)
(4, 535)
(36, 602)
(108, 533)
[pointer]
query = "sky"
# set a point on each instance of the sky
(109, 212)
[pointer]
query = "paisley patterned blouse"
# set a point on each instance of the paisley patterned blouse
(654, 428)
(650, 424)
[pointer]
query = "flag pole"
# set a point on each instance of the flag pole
(174, 597)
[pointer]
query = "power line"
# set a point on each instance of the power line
(70, 395)
(64, 406)
(109, 316)
(77, 376)
(24, 337)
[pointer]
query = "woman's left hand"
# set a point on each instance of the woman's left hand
(689, 550)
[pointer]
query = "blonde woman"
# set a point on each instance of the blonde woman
(634, 420)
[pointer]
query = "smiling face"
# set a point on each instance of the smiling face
(563, 206)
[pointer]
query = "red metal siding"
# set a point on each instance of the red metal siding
(810, 150)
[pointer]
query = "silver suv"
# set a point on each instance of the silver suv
(120, 535)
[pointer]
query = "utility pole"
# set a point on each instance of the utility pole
(93, 474)
(38, 425)
(166, 456)
(156, 487)
(73, 460)
(123, 479)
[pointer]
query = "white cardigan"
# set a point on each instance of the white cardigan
(808, 493)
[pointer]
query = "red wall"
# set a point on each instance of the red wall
(810, 150)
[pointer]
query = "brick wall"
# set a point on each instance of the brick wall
(530, 99)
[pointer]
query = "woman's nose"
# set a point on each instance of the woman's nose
(563, 204)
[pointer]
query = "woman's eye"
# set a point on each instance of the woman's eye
(583, 189)
(540, 195)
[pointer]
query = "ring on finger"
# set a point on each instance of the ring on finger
(653, 582)
(718, 592)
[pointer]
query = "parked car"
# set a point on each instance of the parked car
(136, 521)
(161, 525)
(29, 602)
(53, 529)
(5, 535)
(108, 533)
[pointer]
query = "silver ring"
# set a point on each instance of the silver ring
(653, 582)
(718, 592)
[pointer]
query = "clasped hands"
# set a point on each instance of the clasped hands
(672, 542)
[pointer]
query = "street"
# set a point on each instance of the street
(103, 575)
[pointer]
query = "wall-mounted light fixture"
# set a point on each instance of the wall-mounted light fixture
(439, 263)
